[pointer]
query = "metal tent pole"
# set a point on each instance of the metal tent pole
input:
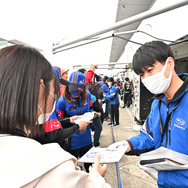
(95, 40)
(125, 22)
(117, 163)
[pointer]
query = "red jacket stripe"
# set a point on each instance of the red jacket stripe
(52, 125)
(61, 113)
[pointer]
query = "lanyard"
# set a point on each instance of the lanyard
(77, 109)
(168, 120)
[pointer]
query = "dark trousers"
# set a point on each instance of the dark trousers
(80, 152)
(102, 117)
(97, 130)
(130, 99)
(126, 99)
(107, 101)
(115, 112)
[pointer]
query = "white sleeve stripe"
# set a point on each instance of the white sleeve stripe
(113, 93)
(144, 130)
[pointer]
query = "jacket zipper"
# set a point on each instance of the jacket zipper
(169, 125)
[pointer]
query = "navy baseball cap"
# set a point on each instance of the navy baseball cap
(76, 81)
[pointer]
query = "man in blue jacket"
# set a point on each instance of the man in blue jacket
(105, 100)
(167, 123)
(114, 102)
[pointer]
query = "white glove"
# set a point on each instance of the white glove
(151, 171)
(123, 143)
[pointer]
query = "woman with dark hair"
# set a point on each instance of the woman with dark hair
(28, 90)
(74, 101)
(35, 90)
(113, 95)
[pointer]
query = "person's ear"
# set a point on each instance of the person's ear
(171, 63)
(41, 81)
(41, 93)
(41, 87)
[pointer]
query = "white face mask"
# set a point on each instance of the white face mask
(43, 117)
(158, 83)
(109, 83)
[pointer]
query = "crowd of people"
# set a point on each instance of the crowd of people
(104, 95)
(41, 137)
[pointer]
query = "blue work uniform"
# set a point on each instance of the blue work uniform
(113, 95)
(67, 109)
(153, 134)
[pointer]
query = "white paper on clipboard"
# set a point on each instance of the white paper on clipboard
(106, 155)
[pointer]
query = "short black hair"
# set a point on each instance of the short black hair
(127, 79)
(147, 55)
(81, 70)
(97, 77)
(105, 78)
(111, 79)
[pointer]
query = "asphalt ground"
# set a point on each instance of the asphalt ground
(130, 176)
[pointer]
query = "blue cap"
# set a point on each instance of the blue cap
(77, 78)
(57, 71)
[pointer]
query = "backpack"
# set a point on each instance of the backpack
(98, 92)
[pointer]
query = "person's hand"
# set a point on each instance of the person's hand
(101, 169)
(115, 145)
(83, 124)
(151, 171)
(73, 118)
(92, 67)
(98, 114)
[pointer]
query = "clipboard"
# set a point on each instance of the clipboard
(152, 161)
(164, 159)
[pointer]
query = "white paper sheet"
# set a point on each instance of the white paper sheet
(166, 154)
(86, 117)
(104, 107)
(106, 155)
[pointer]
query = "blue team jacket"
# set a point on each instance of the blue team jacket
(66, 109)
(112, 92)
(176, 136)
(106, 88)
